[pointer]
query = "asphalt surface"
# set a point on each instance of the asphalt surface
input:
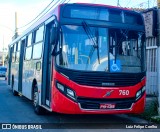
(19, 110)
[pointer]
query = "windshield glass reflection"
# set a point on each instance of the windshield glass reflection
(83, 50)
(101, 49)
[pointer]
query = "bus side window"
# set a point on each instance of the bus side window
(37, 51)
(39, 34)
(28, 49)
(28, 53)
(18, 51)
(13, 53)
(13, 57)
(17, 56)
(29, 42)
(19, 46)
(15, 47)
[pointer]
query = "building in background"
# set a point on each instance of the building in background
(152, 29)
(150, 19)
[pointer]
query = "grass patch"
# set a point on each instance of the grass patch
(151, 110)
(155, 119)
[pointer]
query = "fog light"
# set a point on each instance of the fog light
(60, 87)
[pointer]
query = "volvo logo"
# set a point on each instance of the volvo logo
(108, 93)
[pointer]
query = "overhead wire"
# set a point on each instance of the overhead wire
(144, 4)
(52, 7)
(55, 4)
(37, 15)
(45, 11)
(128, 3)
(154, 3)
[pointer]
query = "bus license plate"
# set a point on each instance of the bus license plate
(107, 106)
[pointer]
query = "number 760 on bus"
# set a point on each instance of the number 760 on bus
(124, 92)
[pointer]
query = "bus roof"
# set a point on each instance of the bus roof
(55, 12)
(102, 5)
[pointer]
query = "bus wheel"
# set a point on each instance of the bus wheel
(15, 93)
(38, 109)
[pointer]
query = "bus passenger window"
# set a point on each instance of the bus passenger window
(17, 56)
(37, 51)
(13, 57)
(13, 54)
(29, 40)
(15, 47)
(28, 53)
(39, 34)
(18, 46)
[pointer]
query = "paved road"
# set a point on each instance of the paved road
(16, 109)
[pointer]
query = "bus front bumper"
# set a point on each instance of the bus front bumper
(62, 104)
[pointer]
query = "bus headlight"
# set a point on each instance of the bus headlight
(66, 91)
(138, 94)
(71, 94)
(143, 89)
(60, 86)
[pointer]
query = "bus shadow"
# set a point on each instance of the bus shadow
(90, 118)
(95, 121)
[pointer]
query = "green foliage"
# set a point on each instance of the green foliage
(151, 110)
(155, 119)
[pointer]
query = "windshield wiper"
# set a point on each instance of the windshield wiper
(115, 58)
(97, 42)
(90, 36)
(89, 33)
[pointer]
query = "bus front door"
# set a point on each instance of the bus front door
(47, 67)
(9, 65)
(21, 65)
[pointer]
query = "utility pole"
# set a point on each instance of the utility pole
(3, 51)
(16, 29)
(118, 3)
(158, 4)
(148, 3)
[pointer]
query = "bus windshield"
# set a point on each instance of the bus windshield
(101, 49)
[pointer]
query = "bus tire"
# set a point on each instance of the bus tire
(15, 93)
(38, 109)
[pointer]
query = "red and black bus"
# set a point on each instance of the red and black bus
(81, 59)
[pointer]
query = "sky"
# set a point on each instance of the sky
(27, 10)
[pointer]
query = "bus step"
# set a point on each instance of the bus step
(47, 108)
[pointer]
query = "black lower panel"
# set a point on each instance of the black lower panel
(88, 103)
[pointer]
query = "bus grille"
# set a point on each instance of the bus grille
(88, 103)
(102, 79)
